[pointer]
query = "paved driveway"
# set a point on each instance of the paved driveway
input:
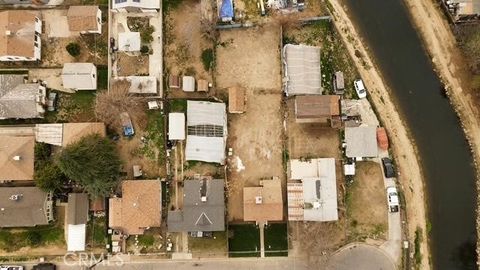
(361, 257)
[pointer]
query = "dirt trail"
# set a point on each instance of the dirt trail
(404, 151)
(441, 45)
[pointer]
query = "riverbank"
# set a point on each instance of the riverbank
(410, 175)
(447, 60)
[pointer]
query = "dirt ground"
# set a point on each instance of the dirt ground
(403, 149)
(128, 65)
(312, 140)
(184, 55)
(367, 204)
(130, 150)
(255, 136)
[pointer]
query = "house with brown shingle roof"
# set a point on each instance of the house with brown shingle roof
(317, 108)
(263, 203)
(138, 209)
(20, 32)
(16, 157)
(85, 19)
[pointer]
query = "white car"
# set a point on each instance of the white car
(392, 197)
(11, 267)
(360, 88)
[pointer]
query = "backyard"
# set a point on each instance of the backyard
(97, 233)
(243, 240)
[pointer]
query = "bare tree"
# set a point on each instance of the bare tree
(110, 104)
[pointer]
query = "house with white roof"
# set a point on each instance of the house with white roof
(135, 5)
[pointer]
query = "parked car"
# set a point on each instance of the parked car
(128, 130)
(52, 101)
(393, 202)
(44, 266)
(360, 88)
(388, 168)
(11, 267)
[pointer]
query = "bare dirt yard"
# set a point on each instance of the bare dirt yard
(256, 136)
(131, 65)
(367, 204)
(184, 56)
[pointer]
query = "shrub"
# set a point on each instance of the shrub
(144, 49)
(146, 34)
(73, 49)
(207, 59)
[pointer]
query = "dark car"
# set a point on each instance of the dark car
(388, 168)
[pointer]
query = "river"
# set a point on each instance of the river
(444, 154)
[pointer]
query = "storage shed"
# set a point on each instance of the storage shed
(176, 126)
(188, 84)
(236, 100)
(202, 86)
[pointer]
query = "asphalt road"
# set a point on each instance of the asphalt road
(279, 263)
(361, 257)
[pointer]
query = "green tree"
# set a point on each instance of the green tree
(49, 177)
(207, 59)
(146, 34)
(93, 163)
(73, 49)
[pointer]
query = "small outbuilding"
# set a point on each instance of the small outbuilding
(174, 81)
(302, 70)
(188, 84)
(85, 19)
(382, 138)
(202, 86)
(361, 142)
(338, 83)
(79, 76)
(129, 41)
(237, 100)
(77, 218)
(176, 126)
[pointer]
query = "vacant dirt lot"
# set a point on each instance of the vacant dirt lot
(184, 55)
(367, 204)
(128, 65)
(255, 136)
(250, 58)
(132, 152)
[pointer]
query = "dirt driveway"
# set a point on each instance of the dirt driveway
(251, 60)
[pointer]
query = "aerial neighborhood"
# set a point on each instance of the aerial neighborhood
(188, 130)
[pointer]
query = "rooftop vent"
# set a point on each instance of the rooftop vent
(204, 198)
(8, 32)
(258, 200)
(17, 158)
(316, 205)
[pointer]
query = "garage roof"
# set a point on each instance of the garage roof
(176, 126)
(302, 69)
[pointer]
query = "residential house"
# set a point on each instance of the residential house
(76, 221)
(16, 157)
(206, 131)
(84, 19)
(139, 208)
(176, 126)
(21, 100)
(79, 76)
(237, 100)
(318, 109)
(203, 207)
(263, 203)
(302, 70)
(463, 10)
(67, 133)
(135, 5)
(361, 142)
(25, 207)
(20, 38)
(312, 190)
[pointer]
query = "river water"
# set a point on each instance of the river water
(446, 160)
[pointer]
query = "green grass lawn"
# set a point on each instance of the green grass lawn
(217, 245)
(13, 240)
(244, 241)
(97, 228)
(178, 105)
(156, 136)
(102, 77)
(276, 240)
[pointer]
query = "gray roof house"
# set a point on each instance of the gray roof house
(203, 210)
(25, 207)
(361, 141)
(77, 208)
(19, 99)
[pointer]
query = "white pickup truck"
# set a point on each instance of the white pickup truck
(392, 197)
